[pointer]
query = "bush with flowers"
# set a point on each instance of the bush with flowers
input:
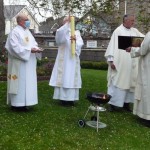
(3, 63)
(44, 68)
(3, 57)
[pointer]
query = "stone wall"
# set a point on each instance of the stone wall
(141, 9)
(86, 54)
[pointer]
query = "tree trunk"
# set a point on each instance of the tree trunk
(2, 23)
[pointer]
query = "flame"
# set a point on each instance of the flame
(104, 97)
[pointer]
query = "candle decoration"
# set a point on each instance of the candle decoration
(72, 26)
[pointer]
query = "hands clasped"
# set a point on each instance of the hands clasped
(73, 38)
(36, 50)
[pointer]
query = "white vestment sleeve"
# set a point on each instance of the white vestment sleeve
(135, 52)
(113, 45)
(110, 58)
(61, 34)
(144, 49)
(79, 43)
(14, 47)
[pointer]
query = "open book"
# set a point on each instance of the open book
(129, 41)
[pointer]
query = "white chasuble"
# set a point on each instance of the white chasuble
(22, 88)
(66, 71)
(126, 67)
(142, 91)
(122, 80)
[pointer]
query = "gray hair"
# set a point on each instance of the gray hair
(126, 16)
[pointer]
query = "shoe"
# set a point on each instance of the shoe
(112, 108)
(67, 103)
(126, 107)
(64, 103)
(71, 103)
(19, 109)
(145, 122)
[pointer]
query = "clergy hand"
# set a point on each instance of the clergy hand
(128, 49)
(69, 18)
(112, 66)
(33, 50)
(36, 50)
(72, 37)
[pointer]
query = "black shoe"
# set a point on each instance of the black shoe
(64, 103)
(19, 109)
(144, 122)
(126, 107)
(112, 108)
(67, 103)
(71, 103)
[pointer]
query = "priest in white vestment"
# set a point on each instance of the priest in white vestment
(122, 70)
(66, 77)
(22, 59)
(142, 91)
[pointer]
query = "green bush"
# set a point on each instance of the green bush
(45, 69)
(3, 70)
(3, 56)
(42, 62)
(94, 65)
(45, 66)
(40, 71)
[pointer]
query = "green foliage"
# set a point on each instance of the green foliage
(143, 20)
(94, 65)
(82, 6)
(3, 70)
(94, 8)
(3, 56)
(49, 126)
(44, 67)
(44, 61)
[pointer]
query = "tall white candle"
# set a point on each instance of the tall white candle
(72, 26)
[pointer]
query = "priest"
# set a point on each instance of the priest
(22, 58)
(142, 91)
(66, 77)
(122, 70)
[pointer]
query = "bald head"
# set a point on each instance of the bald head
(21, 17)
(66, 19)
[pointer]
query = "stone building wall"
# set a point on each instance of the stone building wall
(141, 9)
(86, 54)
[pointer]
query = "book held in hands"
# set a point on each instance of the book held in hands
(129, 41)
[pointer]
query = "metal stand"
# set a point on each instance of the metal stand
(95, 123)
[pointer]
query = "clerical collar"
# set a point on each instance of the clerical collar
(126, 27)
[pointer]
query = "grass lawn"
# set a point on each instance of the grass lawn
(49, 126)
